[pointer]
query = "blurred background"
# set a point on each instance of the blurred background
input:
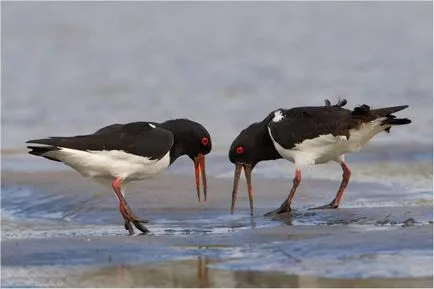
(71, 68)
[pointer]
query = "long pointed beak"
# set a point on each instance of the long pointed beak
(248, 174)
(199, 169)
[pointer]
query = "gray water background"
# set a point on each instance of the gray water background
(71, 68)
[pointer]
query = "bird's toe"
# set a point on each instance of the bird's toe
(140, 227)
(325, 207)
(129, 227)
(280, 211)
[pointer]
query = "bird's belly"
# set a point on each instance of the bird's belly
(325, 148)
(318, 150)
(146, 171)
(113, 164)
(331, 147)
(361, 136)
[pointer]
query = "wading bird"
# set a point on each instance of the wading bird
(121, 153)
(308, 136)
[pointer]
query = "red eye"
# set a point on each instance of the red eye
(204, 141)
(240, 150)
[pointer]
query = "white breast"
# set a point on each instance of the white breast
(111, 164)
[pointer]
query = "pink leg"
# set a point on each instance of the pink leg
(127, 222)
(126, 212)
(286, 205)
(345, 179)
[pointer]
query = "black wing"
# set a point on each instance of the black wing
(304, 123)
(117, 126)
(108, 128)
(138, 138)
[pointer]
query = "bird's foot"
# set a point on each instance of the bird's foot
(133, 217)
(140, 227)
(138, 224)
(332, 205)
(129, 227)
(284, 209)
(143, 221)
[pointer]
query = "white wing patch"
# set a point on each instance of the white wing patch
(151, 125)
(111, 164)
(278, 116)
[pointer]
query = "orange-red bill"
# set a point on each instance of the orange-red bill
(238, 167)
(199, 168)
(203, 173)
(248, 174)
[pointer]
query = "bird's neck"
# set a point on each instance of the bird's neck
(268, 151)
(180, 141)
(176, 151)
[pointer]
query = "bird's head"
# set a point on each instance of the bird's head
(193, 140)
(251, 146)
(245, 149)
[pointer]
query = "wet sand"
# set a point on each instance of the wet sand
(193, 261)
(68, 233)
(198, 274)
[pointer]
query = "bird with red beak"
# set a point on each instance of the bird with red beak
(309, 135)
(121, 153)
(251, 146)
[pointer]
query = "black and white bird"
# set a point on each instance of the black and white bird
(121, 153)
(308, 136)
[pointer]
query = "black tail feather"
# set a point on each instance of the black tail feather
(387, 110)
(364, 113)
(52, 141)
(41, 151)
(381, 112)
(396, 121)
(392, 120)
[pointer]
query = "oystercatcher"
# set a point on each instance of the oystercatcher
(308, 136)
(121, 153)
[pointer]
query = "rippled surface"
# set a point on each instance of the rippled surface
(62, 227)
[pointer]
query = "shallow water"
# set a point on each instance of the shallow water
(197, 272)
(58, 229)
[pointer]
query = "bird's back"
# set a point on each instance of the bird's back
(323, 133)
(131, 151)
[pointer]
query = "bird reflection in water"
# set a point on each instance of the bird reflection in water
(202, 272)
